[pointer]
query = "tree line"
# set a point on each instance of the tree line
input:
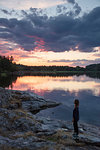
(92, 67)
(7, 65)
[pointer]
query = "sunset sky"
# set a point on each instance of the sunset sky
(50, 32)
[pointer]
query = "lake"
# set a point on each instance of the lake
(65, 90)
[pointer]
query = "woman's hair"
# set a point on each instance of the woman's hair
(76, 101)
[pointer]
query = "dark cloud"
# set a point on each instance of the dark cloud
(70, 1)
(64, 60)
(77, 9)
(57, 33)
(97, 55)
(61, 9)
(36, 11)
(24, 12)
(79, 62)
(86, 62)
(8, 12)
(27, 56)
(5, 11)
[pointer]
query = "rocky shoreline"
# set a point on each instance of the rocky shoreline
(21, 129)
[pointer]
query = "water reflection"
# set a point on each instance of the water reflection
(65, 90)
(89, 106)
(7, 81)
(41, 84)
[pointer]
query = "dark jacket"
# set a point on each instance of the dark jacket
(76, 114)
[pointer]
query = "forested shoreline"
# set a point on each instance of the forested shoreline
(7, 65)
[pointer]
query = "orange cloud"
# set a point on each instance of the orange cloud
(40, 56)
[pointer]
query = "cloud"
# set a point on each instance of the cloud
(70, 1)
(10, 12)
(97, 55)
(56, 33)
(86, 62)
(26, 4)
(78, 62)
(77, 9)
(61, 9)
(5, 11)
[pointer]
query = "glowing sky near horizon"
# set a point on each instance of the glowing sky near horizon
(48, 32)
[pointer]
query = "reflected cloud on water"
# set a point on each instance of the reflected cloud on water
(65, 90)
(41, 84)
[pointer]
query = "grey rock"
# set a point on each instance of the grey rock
(30, 142)
(23, 100)
(21, 128)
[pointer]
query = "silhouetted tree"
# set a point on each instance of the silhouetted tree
(6, 64)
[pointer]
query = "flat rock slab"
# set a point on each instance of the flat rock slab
(13, 99)
(22, 129)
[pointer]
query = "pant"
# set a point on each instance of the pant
(75, 124)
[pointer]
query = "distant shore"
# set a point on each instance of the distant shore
(58, 73)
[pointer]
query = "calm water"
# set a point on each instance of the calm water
(65, 90)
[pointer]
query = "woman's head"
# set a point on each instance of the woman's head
(76, 102)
